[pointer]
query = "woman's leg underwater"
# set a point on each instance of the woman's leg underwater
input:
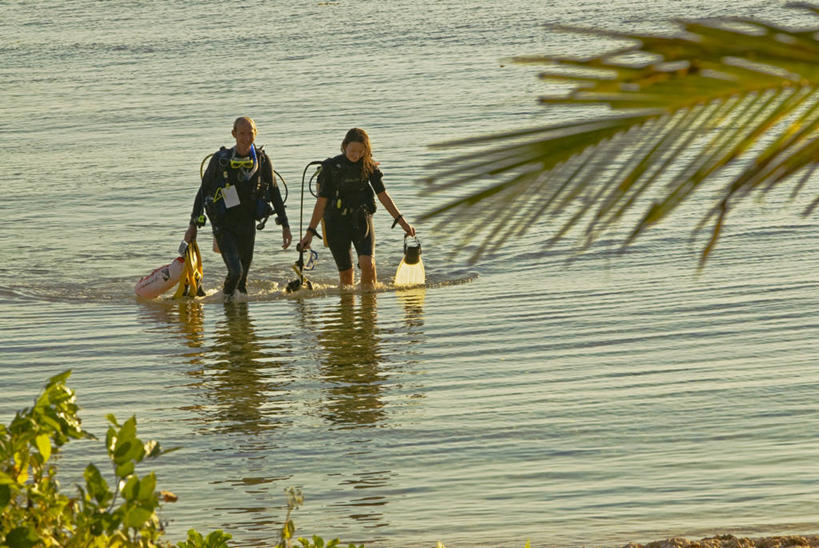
(368, 275)
(339, 239)
(364, 243)
(346, 277)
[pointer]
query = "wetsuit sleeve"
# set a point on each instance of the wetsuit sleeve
(274, 196)
(377, 181)
(198, 208)
(199, 201)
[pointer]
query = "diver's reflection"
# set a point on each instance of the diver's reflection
(184, 317)
(351, 362)
(239, 381)
(413, 301)
(192, 327)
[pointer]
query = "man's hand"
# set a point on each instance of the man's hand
(287, 237)
(190, 234)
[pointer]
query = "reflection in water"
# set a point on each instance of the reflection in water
(191, 326)
(358, 357)
(366, 508)
(413, 301)
(250, 386)
(350, 362)
(351, 366)
(239, 376)
(241, 392)
(183, 316)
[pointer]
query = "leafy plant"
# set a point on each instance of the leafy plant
(214, 539)
(731, 99)
(36, 513)
(33, 510)
(295, 499)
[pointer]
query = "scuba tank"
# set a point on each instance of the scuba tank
(312, 256)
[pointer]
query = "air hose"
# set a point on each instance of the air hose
(299, 265)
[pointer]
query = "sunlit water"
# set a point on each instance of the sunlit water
(594, 402)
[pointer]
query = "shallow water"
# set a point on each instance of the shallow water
(593, 402)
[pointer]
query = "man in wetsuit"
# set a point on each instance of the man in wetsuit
(236, 191)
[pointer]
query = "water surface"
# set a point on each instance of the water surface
(594, 402)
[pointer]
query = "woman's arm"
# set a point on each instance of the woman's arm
(390, 206)
(315, 219)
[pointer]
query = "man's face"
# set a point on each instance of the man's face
(245, 134)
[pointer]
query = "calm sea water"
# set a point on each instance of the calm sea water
(592, 403)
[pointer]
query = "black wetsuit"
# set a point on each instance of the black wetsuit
(348, 217)
(235, 228)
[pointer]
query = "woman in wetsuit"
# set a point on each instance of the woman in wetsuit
(348, 185)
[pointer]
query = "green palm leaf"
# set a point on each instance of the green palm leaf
(733, 100)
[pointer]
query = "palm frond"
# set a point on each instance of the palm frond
(734, 100)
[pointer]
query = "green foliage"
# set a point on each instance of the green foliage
(729, 100)
(35, 513)
(295, 499)
(32, 510)
(216, 539)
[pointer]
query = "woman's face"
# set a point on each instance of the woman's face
(354, 151)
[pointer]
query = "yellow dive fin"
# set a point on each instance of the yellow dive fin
(410, 270)
(190, 284)
(407, 275)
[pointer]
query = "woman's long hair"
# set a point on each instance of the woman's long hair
(358, 135)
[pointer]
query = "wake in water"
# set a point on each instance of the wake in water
(120, 290)
(271, 290)
(322, 288)
(267, 282)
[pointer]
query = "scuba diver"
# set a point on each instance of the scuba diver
(348, 185)
(236, 191)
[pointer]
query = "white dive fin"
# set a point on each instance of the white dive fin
(410, 274)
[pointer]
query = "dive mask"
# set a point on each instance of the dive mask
(246, 163)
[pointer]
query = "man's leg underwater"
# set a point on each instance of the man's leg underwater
(229, 247)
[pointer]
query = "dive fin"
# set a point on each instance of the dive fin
(410, 274)
(190, 283)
